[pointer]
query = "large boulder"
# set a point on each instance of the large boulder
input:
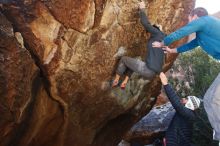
(152, 126)
(24, 100)
(55, 91)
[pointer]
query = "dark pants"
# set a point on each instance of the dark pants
(129, 65)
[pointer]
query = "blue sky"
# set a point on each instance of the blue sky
(212, 6)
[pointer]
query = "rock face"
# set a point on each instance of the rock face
(152, 125)
(55, 75)
(24, 99)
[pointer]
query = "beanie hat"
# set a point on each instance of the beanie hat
(193, 102)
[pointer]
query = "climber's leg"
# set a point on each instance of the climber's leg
(122, 68)
(116, 80)
(135, 65)
(124, 83)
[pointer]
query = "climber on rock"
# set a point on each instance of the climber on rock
(154, 59)
(179, 132)
(207, 29)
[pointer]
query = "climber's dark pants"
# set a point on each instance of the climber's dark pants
(129, 65)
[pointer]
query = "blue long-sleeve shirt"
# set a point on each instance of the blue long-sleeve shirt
(207, 29)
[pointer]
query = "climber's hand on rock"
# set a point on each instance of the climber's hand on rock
(163, 78)
(142, 5)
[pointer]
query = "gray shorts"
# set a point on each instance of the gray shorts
(129, 65)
